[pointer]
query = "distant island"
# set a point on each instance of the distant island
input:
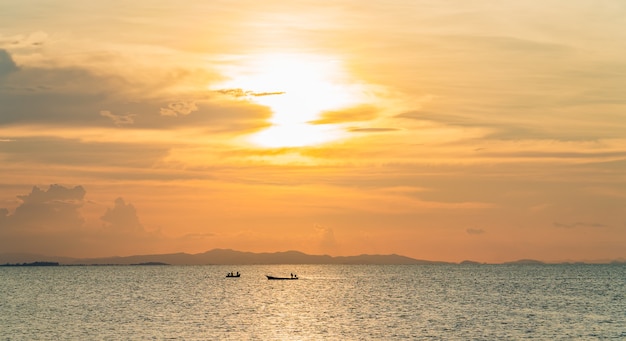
(469, 262)
(33, 264)
(525, 261)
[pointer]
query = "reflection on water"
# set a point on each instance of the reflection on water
(327, 302)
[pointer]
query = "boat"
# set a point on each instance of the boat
(282, 278)
(230, 274)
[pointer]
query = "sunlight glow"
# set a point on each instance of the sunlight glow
(297, 88)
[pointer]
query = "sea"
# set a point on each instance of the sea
(327, 302)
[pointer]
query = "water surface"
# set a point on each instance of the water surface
(328, 302)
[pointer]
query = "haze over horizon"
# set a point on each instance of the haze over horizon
(438, 130)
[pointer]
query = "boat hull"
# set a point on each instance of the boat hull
(280, 278)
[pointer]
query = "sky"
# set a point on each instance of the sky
(436, 129)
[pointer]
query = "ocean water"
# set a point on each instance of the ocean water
(328, 302)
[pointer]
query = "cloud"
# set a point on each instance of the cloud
(238, 92)
(354, 114)
(7, 65)
(475, 231)
(56, 96)
(122, 217)
(50, 222)
(561, 154)
(64, 97)
(56, 207)
(326, 238)
(71, 152)
(198, 236)
(180, 108)
(262, 94)
(372, 130)
(22, 41)
(118, 120)
(579, 225)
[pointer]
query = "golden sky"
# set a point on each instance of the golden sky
(441, 130)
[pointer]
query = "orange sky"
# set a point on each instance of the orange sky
(440, 130)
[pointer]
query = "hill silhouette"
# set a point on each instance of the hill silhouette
(221, 256)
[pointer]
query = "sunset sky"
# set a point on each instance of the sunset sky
(435, 129)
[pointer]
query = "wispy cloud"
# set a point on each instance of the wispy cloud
(352, 114)
(475, 231)
(21, 41)
(579, 225)
(372, 130)
(237, 93)
(180, 108)
(118, 120)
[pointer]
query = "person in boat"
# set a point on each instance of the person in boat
(237, 273)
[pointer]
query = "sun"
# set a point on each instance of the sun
(297, 88)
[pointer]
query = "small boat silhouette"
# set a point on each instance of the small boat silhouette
(282, 278)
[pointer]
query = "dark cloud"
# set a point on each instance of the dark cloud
(78, 97)
(354, 114)
(64, 96)
(7, 65)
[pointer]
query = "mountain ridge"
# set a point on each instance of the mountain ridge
(219, 257)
